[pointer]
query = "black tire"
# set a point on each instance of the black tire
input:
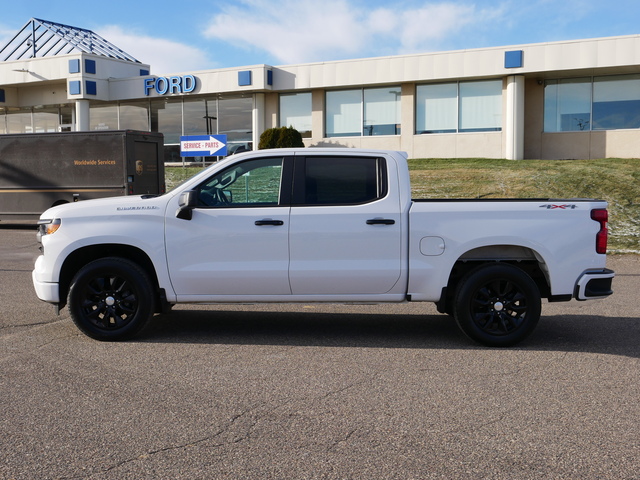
(497, 305)
(111, 299)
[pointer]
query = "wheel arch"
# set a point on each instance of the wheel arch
(525, 258)
(84, 255)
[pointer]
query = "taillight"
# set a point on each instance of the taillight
(602, 217)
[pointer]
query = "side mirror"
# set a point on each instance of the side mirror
(188, 201)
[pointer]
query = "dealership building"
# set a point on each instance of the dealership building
(576, 99)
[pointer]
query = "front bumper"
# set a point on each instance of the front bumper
(594, 284)
(46, 291)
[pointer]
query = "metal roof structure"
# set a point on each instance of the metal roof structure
(40, 38)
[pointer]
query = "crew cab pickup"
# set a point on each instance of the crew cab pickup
(319, 225)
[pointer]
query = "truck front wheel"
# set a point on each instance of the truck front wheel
(497, 305)
(111, 299)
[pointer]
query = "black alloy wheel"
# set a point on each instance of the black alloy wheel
(111, 299)
(497, 305)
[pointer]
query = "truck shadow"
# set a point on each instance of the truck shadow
(566, 333)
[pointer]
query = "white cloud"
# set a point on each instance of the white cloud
(430, 24)
(291, 31)
(164, 56)
(295, 31)
(430, 27)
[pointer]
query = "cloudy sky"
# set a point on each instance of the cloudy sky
(187, 36)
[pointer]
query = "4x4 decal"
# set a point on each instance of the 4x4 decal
(561, 207)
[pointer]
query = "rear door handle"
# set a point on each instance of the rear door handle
(381, 221)
(261, 223)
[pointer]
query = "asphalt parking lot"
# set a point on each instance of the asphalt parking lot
(316, 392)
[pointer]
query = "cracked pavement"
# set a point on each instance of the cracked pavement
(316, 392)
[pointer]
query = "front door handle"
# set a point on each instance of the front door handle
(381, 221)
(261, 223)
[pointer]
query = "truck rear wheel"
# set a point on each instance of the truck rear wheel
(497, 305)
(111, 299)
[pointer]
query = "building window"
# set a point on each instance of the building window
(66, 118)
(19, 120)
(166, 117)
(616, 102)
(176, 116)
(382, 111)
(134, 115)
(369, 111)
(344, 113)
(231, 116)
(46, 119)
(599, 103)
(437, 108)
(36, 119)
(103, 116)
(567, 105)
(295, 111)
(459, 107)
(480, 106)
(236, 122)
(201, 116)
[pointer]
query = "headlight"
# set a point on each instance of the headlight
(47, 227)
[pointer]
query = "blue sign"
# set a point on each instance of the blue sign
(169, 85)
(203, 146)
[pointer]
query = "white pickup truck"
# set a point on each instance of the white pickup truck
(319, 225)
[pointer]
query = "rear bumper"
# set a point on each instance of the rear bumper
(594, 284)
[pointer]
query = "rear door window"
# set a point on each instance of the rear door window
(339, 180)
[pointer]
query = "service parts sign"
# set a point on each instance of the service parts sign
(203, 146)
